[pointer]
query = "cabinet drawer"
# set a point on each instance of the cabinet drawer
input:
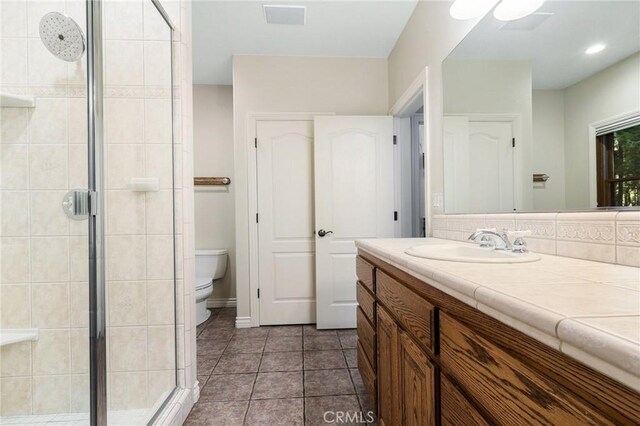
(510, 391)
(366, 273)
(413, 312)
(455, 409)
(366, 302)
(366, 337)
(367, 373)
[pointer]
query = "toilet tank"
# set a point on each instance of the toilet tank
(211, 263)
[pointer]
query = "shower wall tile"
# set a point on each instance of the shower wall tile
(48, 122)
(160, 257)
(13, 69)
(122, 20)
(15, 214)
(78, 255)
(79, 304)
(124, 63)
(47, 217)
(157, 125)
(14, 18)
(158, 212)
(127, 391)
(78, 167)
(16, 360)
(77, 114)
(127, 303)
(79, 350)
(51, 394)
(125, 212)
(15, 396)
(123, 163)
(77, 72)
(44, 68)
(124, 120)
(15, 166)
(15, 306)
(49, 259)
(128, 348)
(50, 305)
(161, 347)
(51, 354)
(160, 295)
(126, 257)
(157, 70)
(14, 267)
(157, 157)
(154, 26)
(48, 166)
(79, 393)
(36, 9)
(13, 125)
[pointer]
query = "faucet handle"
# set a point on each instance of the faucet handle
(519, 244)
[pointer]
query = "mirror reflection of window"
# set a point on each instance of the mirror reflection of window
(618, 155)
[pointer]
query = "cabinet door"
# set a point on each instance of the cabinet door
(387, 352)
(417, 391)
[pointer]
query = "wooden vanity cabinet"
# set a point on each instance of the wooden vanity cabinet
(429, 359)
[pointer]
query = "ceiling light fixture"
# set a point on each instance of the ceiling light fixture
(510, 10)
(471, 9)
(596, 48)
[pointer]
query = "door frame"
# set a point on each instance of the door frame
(516, 124)
(252, 174)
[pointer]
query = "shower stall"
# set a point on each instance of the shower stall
(90, 226)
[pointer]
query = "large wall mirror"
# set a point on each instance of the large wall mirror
(543, 113)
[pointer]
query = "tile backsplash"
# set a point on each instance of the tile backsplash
(611, 237)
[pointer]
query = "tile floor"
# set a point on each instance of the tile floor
(283, 375)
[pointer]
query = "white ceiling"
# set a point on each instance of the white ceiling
(556, 46)
(222, 29)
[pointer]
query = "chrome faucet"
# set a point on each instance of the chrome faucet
(490, 238)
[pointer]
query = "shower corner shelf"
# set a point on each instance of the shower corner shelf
(11, 336)
(17, 101)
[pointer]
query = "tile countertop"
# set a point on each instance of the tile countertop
(588, 310)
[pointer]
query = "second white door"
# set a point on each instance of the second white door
(286, 242)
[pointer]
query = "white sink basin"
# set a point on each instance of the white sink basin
(469, 254)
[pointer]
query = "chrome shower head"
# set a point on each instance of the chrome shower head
(62, 36)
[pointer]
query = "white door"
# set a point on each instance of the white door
(286, 240)
(353, 200)
(479, 165)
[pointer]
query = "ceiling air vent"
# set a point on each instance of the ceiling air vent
(285, 14)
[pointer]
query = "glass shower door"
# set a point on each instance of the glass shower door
(139, 210)
(44, 312)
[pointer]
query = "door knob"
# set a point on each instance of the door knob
(322, 233)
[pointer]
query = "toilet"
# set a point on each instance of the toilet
(211, 265)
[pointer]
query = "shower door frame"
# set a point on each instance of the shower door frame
(96, 229)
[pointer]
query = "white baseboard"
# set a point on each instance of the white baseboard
(243, 322)
(221, 303)
(196, 391)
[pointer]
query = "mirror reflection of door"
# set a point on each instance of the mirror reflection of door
(618, 167)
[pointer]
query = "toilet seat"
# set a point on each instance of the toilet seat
(202, 283)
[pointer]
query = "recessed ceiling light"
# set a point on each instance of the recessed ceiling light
(283, 14)
(470, 9)
(510, 10)
(596, 48)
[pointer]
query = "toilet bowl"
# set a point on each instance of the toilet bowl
(211, 265)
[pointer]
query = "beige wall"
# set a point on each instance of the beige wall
(548, 149)
(611, 92)
(428, 38)
(213, 156)
(496, 87)
(294, 84)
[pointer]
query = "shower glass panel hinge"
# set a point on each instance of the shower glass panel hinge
(78, 204)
